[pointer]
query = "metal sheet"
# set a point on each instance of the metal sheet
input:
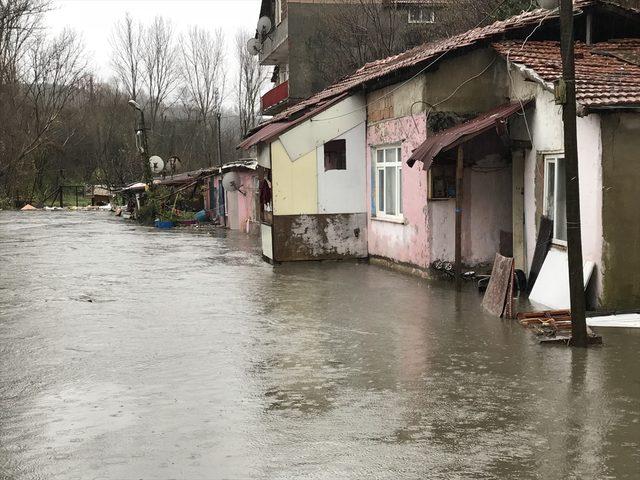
(552, 286)
(454, 136)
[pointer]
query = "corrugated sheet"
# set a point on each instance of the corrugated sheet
(454, 136)
(607, 74)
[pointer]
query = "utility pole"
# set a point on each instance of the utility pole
(566, 95)
(143, 148)
(218, 119)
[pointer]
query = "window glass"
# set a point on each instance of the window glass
(399, 190)
(389, 181)
(561, 202)
(550, 190)
(381, 190)
(390, 190)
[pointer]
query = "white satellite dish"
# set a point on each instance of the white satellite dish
(157, 164)
(231, 181)
(253, 46)
(264, 25)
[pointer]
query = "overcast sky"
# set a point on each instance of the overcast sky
(94, 19)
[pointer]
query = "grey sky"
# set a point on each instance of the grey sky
(94, 19)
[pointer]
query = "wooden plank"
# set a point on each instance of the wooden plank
(496, 294)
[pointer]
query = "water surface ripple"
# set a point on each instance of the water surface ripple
(130, 353)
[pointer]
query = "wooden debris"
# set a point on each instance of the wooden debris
(500, 286)
(553, 326)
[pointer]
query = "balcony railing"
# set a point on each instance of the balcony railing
(275, 96)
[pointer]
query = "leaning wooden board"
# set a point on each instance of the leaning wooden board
(498, 289)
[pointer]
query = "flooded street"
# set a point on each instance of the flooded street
(130, 353)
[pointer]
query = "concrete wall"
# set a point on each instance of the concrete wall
(295, 184)
(621, 178)
(545, 125)
(319, 237)
(343, 191)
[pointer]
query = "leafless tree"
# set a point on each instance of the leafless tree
(251, 79)
(160, 66)
(126, 52)
(204, 80)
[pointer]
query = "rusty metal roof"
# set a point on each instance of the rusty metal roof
(454, 136)
(428, 52)
(274, 129)
(607, 73)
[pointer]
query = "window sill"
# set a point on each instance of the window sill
(399, 221)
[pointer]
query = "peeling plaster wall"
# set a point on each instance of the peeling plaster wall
(343, 191)
(545, 124)
(408, 242)
(319, 237)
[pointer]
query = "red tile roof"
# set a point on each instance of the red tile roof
(607, 73)
(429, 52)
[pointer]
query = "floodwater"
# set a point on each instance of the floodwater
(132, 353)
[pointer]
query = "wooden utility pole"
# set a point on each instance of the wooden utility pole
(459, 177)
(567, 96)
(218, 120)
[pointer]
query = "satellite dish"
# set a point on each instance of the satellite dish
(264, 25)
(253, 46)
(231, 181)
(157, 165)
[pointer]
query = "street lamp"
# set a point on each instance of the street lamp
(142, 144)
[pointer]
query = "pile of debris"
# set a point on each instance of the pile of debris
(553, 326)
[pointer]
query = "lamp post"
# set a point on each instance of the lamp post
(142, 144)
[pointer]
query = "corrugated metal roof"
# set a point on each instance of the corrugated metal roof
(272, 130)
(454, 136)
(607, 73)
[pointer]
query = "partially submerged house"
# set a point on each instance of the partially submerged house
(317, 179)
(464, 145)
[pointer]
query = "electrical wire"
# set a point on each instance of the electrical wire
(420, 72)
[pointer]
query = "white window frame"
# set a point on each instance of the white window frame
(278, 12)
(426, 15)
(398, 187)
(549, 160)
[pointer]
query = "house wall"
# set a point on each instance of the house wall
(621, 217)
(342, 191)
(295, 184)
(241, 208)
(486, 211)
(397, 114)
(401, 242)
(318, 214)
(545, 125)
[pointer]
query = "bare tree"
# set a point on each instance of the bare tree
(204, 80)
(251, 79)
(160, 66)
(125, 57)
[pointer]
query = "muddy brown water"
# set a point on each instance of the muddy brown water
(129, 353)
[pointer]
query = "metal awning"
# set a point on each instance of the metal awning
(455, 136)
